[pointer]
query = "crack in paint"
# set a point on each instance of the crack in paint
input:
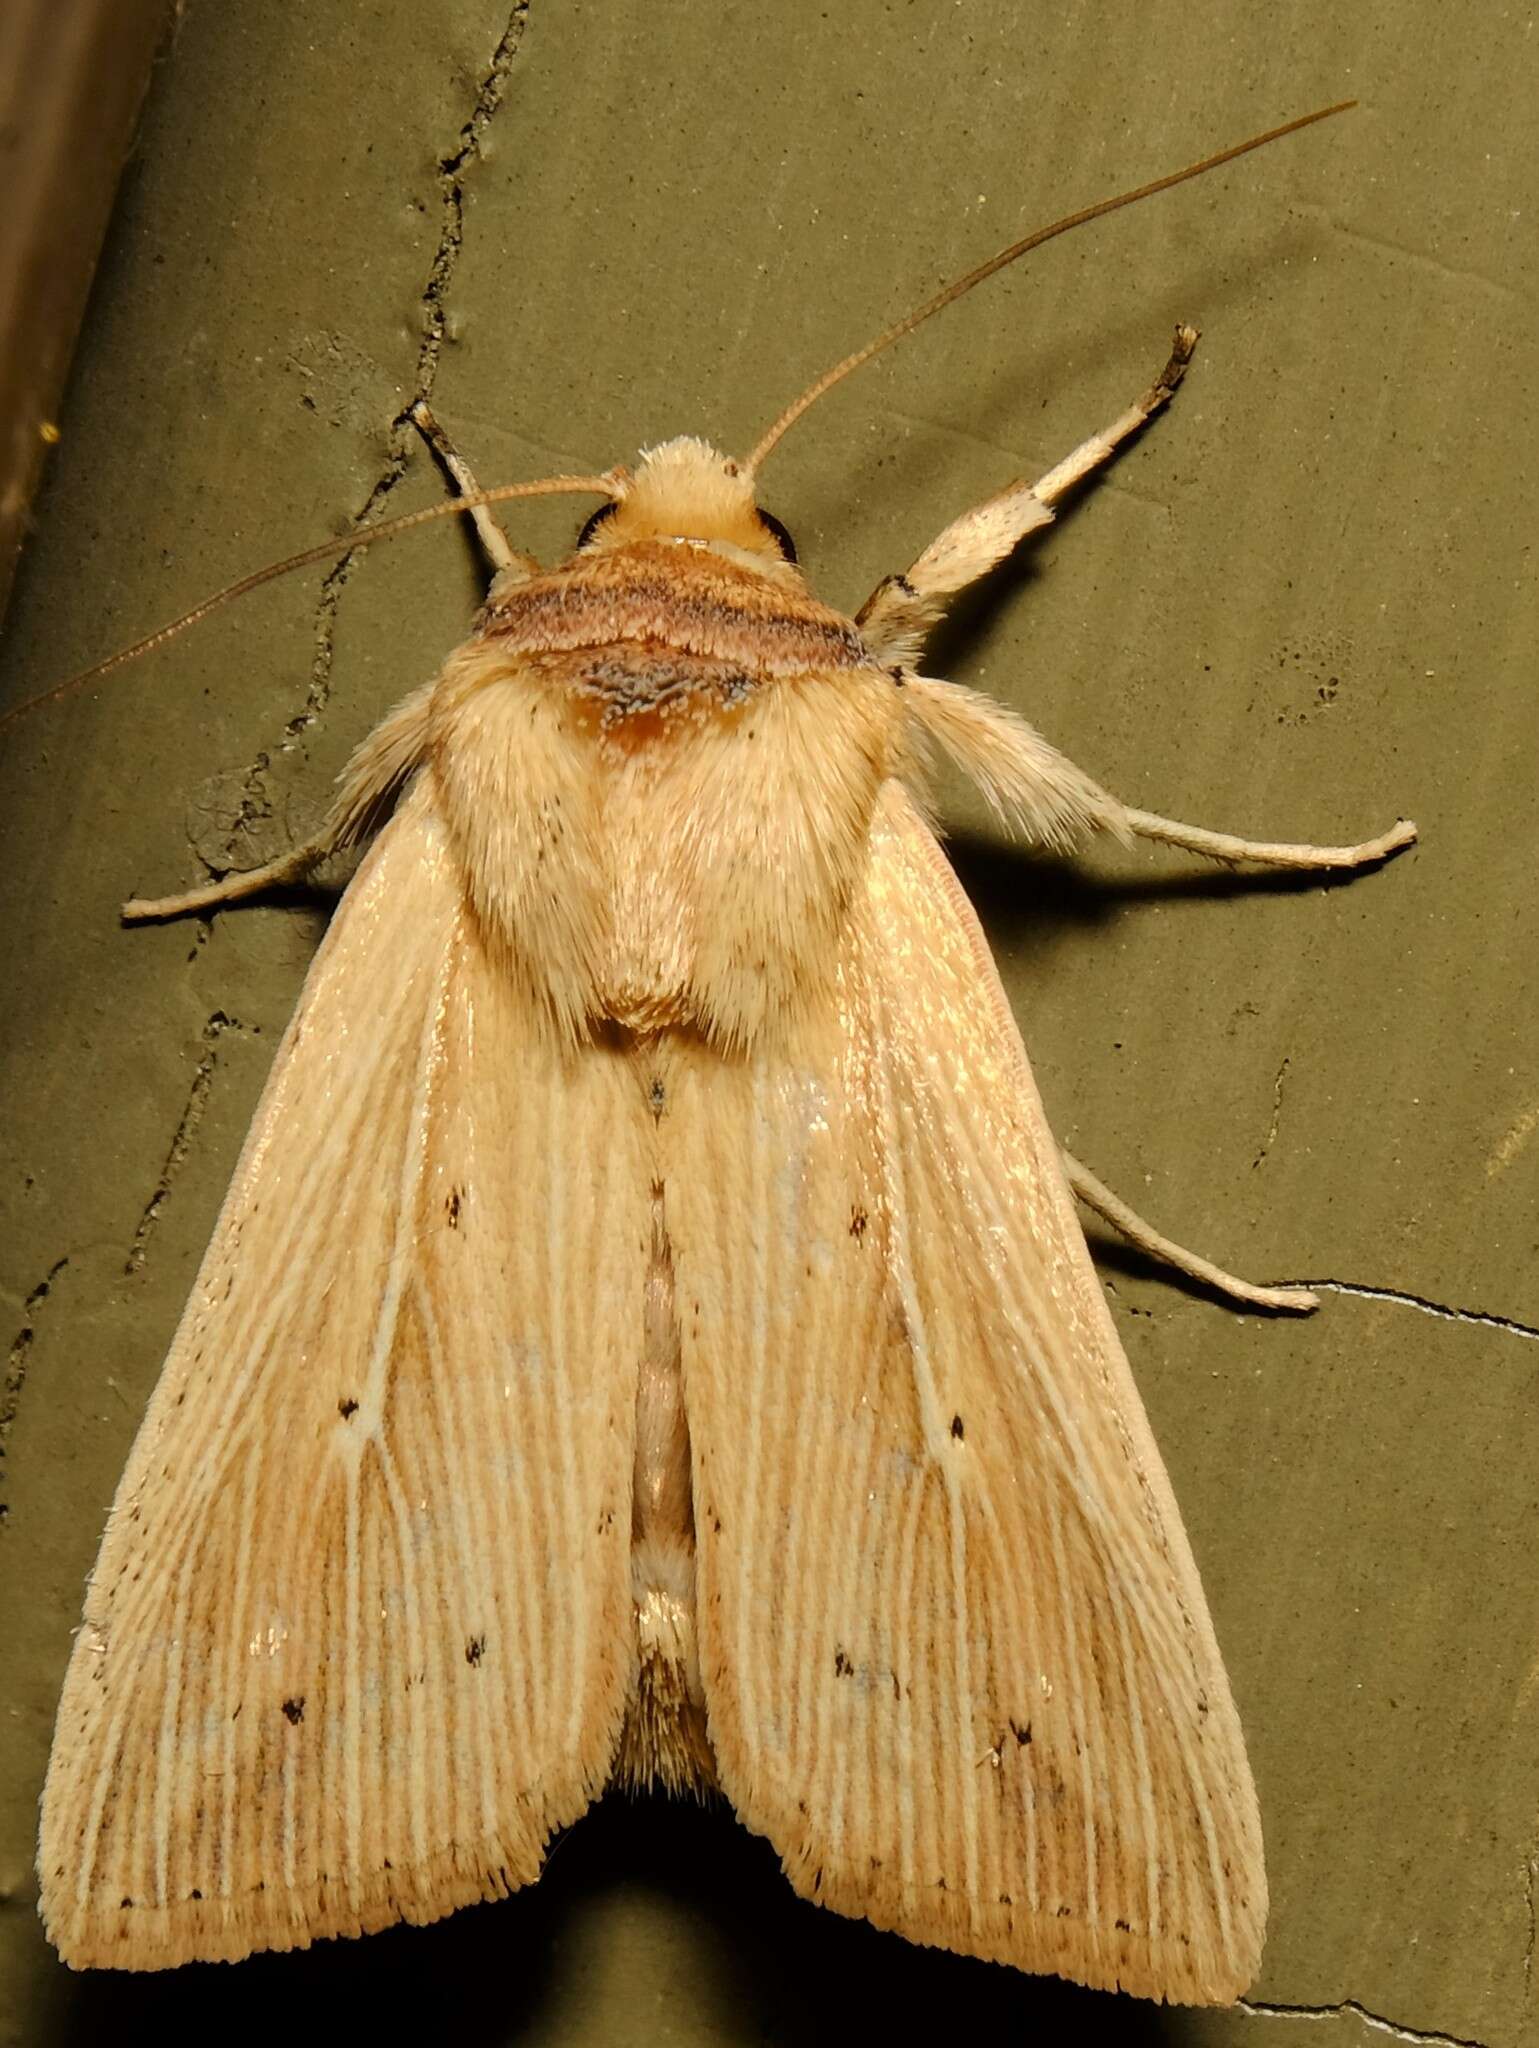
(1401, 1297)
(1352, 2008)
(1271, 1130)
(1530, 1874)
(181, 1138)
(1447, 272)
(433, 302)
(19, 1359)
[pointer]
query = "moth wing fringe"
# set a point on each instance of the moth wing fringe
(229, 1930)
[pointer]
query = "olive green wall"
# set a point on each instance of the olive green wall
(1302, 605)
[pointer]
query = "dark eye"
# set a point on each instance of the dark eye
(787, 545)
(591, 525)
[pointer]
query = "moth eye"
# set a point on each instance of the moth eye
(591, 525)
(787, 545)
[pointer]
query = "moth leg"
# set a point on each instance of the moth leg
(1269, 853)
(1100, 448)
(1029, 781)
(1129, 1224)
(1044, 797)
(1035, 790)
(367, 791)
(899, 612)
(495, 545)
(293, 866)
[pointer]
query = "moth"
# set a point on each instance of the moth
(649, 1337)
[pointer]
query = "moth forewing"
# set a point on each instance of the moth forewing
(956, 1655)
(357, 1636)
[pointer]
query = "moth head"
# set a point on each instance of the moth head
(687, 491)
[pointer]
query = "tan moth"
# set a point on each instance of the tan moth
(649, 1336)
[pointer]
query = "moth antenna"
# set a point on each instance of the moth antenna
(610, 485)
(962, 285)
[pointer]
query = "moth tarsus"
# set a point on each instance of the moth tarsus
(649, 1334)
(1126, 1221)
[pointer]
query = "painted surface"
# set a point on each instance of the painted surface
(1304, 604)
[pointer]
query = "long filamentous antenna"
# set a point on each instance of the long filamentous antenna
(956, 290)
(607, 486)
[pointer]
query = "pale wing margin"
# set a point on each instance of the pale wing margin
(957, 1662)
(359, 1635)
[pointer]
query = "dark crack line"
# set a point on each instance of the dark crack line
(433, 301)
(1402, 1298)
(255, 803)
(1530, 1874)
(1277, 1095)
(19, 1359)
(1353, 2009)
(181, 1138)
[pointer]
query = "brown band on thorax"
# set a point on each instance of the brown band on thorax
(674, 599)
